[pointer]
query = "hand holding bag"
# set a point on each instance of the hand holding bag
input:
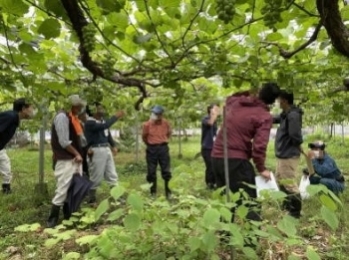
(305, 182)
(263, 184)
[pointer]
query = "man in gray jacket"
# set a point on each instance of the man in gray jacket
(288, 150)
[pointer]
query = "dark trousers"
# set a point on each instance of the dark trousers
(84, 162)
(240, 172)
(209, 175)
(158, 154)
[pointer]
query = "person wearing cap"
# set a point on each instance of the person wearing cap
(208, 134)
(9, 122)
(288, 143)
(101, 148)
(66, 133)
(326, 170)
(156, 133)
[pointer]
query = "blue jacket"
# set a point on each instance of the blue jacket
(98, 132)
(326, 167)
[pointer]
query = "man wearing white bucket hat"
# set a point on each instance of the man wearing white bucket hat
(67, 153)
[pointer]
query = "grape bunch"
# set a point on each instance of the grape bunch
(272, 13)
(225, 10)
(107, 66)
(88, 33)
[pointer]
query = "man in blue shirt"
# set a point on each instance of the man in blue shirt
(9, 122)
(101, 147)
(208, 134)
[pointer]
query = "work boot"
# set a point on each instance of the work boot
(92, 197)
(153, 188)
(66, 213)
(168, 191)
(54, 216)
(6, 188)
(295, 205)
(211, 186)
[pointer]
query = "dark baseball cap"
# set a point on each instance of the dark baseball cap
(157, 109)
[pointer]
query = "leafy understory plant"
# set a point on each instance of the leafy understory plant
(192, 228)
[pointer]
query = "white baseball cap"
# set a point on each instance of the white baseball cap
(75, 100)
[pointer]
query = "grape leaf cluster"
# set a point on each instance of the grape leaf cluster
(88, 33)
(6, 80)
(107, 66)
(93, 94)
(225, 10)
(272, 13)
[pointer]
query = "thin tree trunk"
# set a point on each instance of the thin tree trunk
(137, 138)
(42, 146)
(180, 155)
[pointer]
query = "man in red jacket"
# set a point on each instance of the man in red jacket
(248, 123)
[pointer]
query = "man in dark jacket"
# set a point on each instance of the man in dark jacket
(67, 151)
(288, 142)
(248, 123)
(101, 147)
(9, 122)
(208, 134)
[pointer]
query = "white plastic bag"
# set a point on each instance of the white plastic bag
(305, 182)
(263, 184)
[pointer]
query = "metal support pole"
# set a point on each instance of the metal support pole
(137, 137)
(225, 147)
(42, 151)
(180, 155)
(226, 168)
(41, 186)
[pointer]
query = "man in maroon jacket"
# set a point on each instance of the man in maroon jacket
(248, 123)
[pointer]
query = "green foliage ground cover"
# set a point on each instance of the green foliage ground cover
(141, 228)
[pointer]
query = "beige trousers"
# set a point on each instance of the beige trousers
(287, 173)
(64, 171)
(5, 167)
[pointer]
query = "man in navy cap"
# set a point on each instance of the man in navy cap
(156, 134)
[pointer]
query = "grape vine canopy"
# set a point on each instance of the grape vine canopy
(53, 47)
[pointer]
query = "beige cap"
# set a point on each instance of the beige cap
(75, 100)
